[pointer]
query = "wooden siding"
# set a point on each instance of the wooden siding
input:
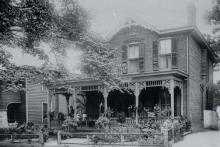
(36, 95)
(8, 97)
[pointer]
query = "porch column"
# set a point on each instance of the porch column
(172, 97)
(105, 94)
(74, 102)
(76, 91)
(136, 101)
(57, 103)
(49, 98)
(182, 100)
(68, 102)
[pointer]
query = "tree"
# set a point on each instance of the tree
(100, 61)
(213, 17)
(27, 23)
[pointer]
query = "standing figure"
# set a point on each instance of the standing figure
(101, 108)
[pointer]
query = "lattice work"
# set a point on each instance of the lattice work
(131, 86)
(101, 88)
(178, 84)
(77, 90)
(52, 92)
(128, 85)
(141, 85)
(166, 83)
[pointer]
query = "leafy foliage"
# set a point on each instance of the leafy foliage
(100, 61)
(27, 23)
(213, 17)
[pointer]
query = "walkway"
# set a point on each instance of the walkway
(200, 139)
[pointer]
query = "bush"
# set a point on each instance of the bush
(121, 117)
(102, 122)
(69, 123)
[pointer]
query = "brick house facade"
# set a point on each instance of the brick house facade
(171, 68)
(189, 60)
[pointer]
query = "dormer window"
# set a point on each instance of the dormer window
(133, 51)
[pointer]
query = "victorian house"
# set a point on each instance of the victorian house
(170, 68)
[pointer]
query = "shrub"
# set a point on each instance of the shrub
(121, 117)
(102, 122)
(69, 123)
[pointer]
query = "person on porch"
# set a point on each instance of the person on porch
(101, 109)
(157, 110)
(71, 112)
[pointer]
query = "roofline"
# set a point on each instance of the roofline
(187, 29)
(73, 81)
(176, 30)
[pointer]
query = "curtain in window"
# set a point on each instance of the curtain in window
(133, 51)
(165, 46)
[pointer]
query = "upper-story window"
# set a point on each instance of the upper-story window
(133, 51)
(165, 53)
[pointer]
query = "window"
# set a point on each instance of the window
(44, 111)
(133, 51)
(165, 54)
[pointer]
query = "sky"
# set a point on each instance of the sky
(107, 15)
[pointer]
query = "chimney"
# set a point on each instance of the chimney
(191, 14)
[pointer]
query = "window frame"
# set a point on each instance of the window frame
(167, 56)
(135, 43)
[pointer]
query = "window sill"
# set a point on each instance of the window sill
(133, 59)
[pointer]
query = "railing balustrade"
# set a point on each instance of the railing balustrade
(125, 139)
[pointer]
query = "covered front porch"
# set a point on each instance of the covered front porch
(136, 100)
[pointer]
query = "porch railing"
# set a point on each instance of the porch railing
(131, 122)
(105, 139)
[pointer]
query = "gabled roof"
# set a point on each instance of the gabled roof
(196, 34)
(131, 21)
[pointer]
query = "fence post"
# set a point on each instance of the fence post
(12, 138)
(58, 137)
(41, 138)
(165, 137)
(122, 139)
(87, 138)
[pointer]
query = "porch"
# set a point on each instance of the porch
(135, 99)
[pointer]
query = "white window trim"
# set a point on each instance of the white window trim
(133, 44)
(166, 54)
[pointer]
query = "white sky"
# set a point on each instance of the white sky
(106, 15)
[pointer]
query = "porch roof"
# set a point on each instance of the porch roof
(156, 75)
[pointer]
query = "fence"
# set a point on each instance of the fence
(112, 139)
(29, 137)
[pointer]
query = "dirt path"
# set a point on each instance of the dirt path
(200, 139)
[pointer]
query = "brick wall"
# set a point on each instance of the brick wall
(195, 95)
(147, 37)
